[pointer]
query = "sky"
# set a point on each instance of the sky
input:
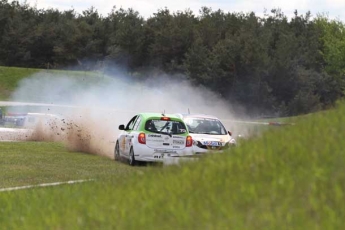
(335, 9)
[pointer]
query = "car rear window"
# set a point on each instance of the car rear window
(162, 126)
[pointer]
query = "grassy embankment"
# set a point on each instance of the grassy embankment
(11, 76)
(289, 178)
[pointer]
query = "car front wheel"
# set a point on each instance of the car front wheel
(131, 159)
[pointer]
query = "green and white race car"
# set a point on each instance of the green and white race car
(153, 137)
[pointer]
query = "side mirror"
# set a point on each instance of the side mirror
(229, 133)
(121, 127)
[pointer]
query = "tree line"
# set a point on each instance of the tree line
(269, 64)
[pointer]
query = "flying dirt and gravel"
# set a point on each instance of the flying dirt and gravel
(84, 112)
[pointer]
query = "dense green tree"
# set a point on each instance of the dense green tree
(197, 62)
(127, 41)
(211, 27)
(171, 36)
(332, 37)
(269, 64)
(92, 38)
(17, 36)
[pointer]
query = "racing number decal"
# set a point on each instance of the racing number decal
(213, 145)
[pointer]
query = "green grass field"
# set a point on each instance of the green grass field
(292, 177)
(26, 163)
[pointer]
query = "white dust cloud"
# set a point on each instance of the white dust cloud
(87, 109)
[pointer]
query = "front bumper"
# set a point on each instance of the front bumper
(200, 148)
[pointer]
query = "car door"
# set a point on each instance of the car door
(129, 134)
(122, 138)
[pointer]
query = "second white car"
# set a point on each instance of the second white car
(208, 133)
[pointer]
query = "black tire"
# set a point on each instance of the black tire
(117, 156)
(131, 159)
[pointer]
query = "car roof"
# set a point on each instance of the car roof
(148, 115)
(197, 115)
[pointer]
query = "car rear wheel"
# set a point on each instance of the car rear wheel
(117, 152)
(131, 159)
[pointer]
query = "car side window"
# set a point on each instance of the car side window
(137, 123)
(131, 123)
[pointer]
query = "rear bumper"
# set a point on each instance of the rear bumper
(144, 153)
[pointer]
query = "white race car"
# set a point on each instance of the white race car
(208, 133)
(153, 137)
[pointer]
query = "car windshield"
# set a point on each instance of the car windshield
(205, 126)
(165, 127)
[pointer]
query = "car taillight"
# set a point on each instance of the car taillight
(142, 138)
(165, 118)
(189, 141)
